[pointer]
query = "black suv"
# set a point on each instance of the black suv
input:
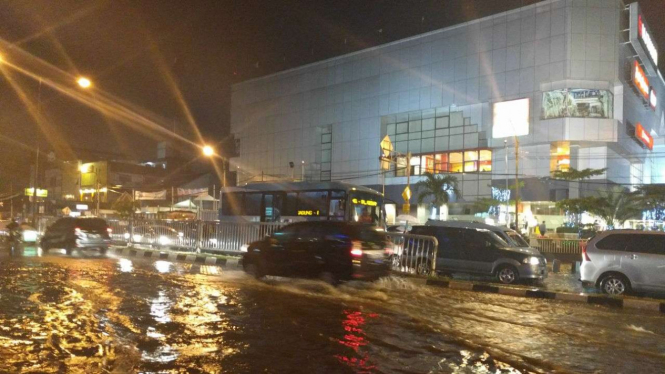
(330, 251)
(70, 233)
(481, 251)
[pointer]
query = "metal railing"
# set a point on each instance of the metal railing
(415, 254)
(558, 245)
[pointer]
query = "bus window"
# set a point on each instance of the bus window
(290, 204)
(313, 203)
(232, 204)
(366, 208)
(253, 204)
(272, 203)
(337, 205)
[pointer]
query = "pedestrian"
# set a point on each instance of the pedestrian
(543, 228)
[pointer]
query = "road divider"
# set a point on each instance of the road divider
(186, 257)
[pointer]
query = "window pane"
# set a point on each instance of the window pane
(326, 138)
(471, 156)
(402, 127)
(400, 166)
(441, 162)
(325, 155)
(455, 157)
(614, 242)
(314, 201)
(415, 160)
(428, 124)
(415, 126)
(456, 119)
(456, 167)
(442, 123)
(428, 163)
(485, 155)
(470, 166)
(291, 204)
(253, 204)
(485, 166)
(390, 129)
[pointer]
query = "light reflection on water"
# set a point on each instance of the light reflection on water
(125, 265)
(163, 266)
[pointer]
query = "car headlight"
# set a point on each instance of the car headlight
(126, 236)
(532, 260)
(244, 248)
(163, 240)
(137, 237)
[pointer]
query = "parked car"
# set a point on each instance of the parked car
(331, 251)
(481, 251)
(509, 235)
(620, 261)
(156, 235)
(71, 233)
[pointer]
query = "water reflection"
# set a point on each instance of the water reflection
(125, 265)
(163, 266)
(355, 339)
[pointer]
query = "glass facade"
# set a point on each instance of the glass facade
(467, 161)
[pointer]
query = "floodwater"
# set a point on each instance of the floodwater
(94, 314)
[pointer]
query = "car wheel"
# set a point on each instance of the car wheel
(329, 278)
(614, 284)
(424, 268)
(507, 274)
(253, 271)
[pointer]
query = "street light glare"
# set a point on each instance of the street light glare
(208, 151)
(84, 82)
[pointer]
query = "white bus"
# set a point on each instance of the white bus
(302, 201)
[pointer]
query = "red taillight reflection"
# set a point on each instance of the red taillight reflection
(356, 252)
(584, 254)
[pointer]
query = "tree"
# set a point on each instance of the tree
(439, 188)
(651, 197)
(487, 204)
(573, 174)
(615, 207)
(125, 208)
(576, 207)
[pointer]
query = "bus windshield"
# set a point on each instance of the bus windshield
(366, 207)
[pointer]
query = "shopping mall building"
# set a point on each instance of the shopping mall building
(576, 82)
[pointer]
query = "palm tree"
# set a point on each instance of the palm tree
(439, 188)
(615, 207)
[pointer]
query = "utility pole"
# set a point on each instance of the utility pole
(11, 199)
(505, 145)
(34, 187)
(302, 171)
(172, 198)
(98, 197)
(517, 184)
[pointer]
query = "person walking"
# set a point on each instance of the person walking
(543, 228)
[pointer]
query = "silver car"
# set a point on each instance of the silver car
(619, 261)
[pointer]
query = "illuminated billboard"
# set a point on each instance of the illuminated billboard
(640, 80)
(642, 40)
(510, 118)
(643, 136)
(572, 102)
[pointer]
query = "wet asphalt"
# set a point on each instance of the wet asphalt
(88, 313)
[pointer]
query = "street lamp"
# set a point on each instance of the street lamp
(84, 82)
(208, 151)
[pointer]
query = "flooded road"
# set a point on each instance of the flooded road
(95, 314)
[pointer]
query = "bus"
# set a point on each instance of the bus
(302, 201)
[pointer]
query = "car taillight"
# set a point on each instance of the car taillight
(584, 254)
(356, 249)
(389, 251)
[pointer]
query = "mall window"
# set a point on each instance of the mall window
(560, 156)
(449, 162)
(573, 102)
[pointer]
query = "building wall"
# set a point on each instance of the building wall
(551, 45)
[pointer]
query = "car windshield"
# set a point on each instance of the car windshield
(517, 239)
(495, 239)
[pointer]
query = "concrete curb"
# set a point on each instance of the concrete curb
(610, 301)
(192, 258)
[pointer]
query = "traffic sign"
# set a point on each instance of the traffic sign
(406, 194)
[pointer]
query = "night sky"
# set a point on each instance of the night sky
(149, 52)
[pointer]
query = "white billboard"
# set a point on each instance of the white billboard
(510, 118)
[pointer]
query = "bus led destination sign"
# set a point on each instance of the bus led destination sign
(309, 213)
(364, 202)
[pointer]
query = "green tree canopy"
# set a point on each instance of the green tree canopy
(573, 174)
(438, 187)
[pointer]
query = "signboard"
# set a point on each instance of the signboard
(586, 103)
(640, 80)
(309, 213)
(39, 192)
(643, 136)
(653, 99)
(642, 41)
(159, 195)
(406, 194)
(510, 118)
(81, 206)
(191, 191)
(364, 202)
